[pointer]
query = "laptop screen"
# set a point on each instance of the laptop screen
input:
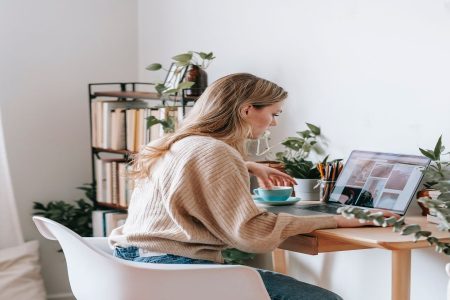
(379, 180)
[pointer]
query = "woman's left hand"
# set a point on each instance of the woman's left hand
(269, 177)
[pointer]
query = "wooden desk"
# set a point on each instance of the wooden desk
(343, 239)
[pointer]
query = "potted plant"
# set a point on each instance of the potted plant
(196, 79)
(296, 163)
(77, 217)
(436, 172)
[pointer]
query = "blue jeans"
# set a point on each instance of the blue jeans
(279, 287)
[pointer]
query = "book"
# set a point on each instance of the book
(93, 124)
(139, 132)
(97, 123)
(129, 185)
(155, 130)
(114, 183)
(122, 169)
(118, 127)
(108, 186)
(107, 110)
(107, 179)
(148, 113)
(105, 221)
(130, 129)
(100, 179)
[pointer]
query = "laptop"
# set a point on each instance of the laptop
(370, 180)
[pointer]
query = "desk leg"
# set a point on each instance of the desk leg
(401, 274)
(279, 261)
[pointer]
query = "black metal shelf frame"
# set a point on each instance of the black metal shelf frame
(128, 89)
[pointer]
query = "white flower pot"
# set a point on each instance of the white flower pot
(307, 189)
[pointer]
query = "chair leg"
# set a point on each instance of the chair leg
(279, 261)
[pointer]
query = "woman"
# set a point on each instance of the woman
(192, 197)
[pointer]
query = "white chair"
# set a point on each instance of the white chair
(95, 274)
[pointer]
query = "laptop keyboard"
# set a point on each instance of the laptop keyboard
(329, 209)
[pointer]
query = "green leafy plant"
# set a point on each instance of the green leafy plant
(439, 169)
(77, 216)
(200, 59)
(440, 207)
(168, 124)
(298, 149)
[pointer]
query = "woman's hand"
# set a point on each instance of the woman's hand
(269, 177)
(344, 222)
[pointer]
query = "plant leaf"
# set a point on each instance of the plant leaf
(210, 56)
(154, 67)
(160, 88)
(410, 229)
(314, 129)
(184, 57)
(185, 85)
(152, 120)
(203, 55)
(437, 149)
(38, 206)
(428, 153)
(182, 63)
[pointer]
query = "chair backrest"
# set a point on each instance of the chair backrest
(95, 274)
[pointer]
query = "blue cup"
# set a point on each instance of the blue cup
(278, 193)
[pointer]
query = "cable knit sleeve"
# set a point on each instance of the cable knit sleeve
(219, 182)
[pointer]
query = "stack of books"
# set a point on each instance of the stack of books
(122, 125)
(113, 186)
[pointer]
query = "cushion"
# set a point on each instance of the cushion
(20, 276)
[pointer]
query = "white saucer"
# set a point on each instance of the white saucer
(289, 201)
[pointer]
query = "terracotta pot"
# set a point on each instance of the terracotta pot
(427, 193)
(200, 79)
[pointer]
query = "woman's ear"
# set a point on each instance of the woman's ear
(245, 110)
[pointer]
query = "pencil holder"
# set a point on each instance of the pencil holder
(325, 189)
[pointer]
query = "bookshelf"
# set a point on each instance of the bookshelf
(118, 112)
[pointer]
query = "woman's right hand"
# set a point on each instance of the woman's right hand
(353, 222)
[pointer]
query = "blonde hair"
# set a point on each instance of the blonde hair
(218, 114)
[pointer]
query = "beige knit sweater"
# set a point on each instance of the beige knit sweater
(197, 202)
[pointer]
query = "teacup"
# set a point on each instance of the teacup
(278, 193)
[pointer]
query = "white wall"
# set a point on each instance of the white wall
(50, 50)
(373, 74)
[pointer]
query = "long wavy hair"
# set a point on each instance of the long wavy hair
(218, 113)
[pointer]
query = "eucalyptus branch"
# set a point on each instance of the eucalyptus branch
(398, 225)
